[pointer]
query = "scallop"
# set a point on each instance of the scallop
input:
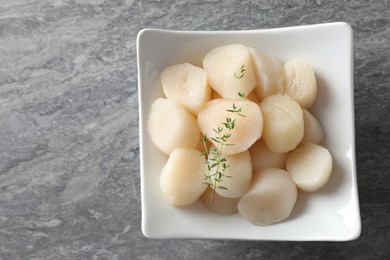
(247, 128)
(310, 166)
(262, 157)
(300, 82)
(283, 123)
(269, 72)
(219, 205)
(238, 175)
(187, 85)
(313, 131)
(271, 198)
(182, 177)
(171, 126)
(223, 64)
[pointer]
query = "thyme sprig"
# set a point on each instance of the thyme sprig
(214, 159)
(239, 76)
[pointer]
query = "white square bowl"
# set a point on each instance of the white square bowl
(332, 214)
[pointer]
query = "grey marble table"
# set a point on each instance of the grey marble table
(69, 150)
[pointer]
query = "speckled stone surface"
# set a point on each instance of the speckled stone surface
(69, 152)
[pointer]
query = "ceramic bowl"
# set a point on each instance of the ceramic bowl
(331, 214)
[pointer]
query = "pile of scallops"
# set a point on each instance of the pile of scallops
(275, 144)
